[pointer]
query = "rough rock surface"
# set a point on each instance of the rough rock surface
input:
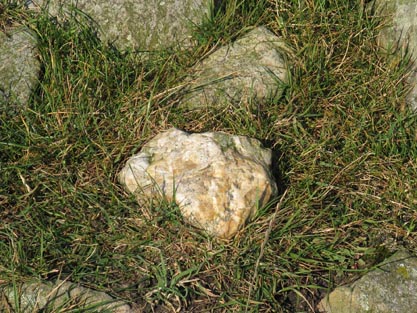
(19, 68)
(38, 296)
(139, 24)
(402, 34)
(392, 288)
(218, 180)
(253, 67)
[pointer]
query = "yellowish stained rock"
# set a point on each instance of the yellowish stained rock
(217, 180)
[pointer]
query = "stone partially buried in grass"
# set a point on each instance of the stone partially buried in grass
(36, 296)
(401, 35)
(254, 67)
(218, 180)
(137, 24)
(391, 288)
(19, 68)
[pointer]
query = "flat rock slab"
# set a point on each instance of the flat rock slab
(137, 24)
(19, 68)
(218, 180)
(392, 288)
(254, 67)
(401, 34)
(39, 296)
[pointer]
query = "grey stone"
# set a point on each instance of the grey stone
(138, 24)
(254, 67)
(391, 288)
(401, 35)
(19, 68)
(35, 296)
(218, 180)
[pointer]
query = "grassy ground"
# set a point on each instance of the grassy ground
(345, 152)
